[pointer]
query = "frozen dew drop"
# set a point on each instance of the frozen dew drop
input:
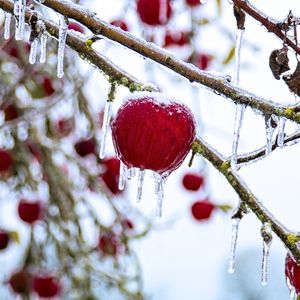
(239, 115)
(105, 126)
(122, 176)
(269, 134)
(33, 51)
(43, 43)
(62, 36)
(7, 25)
(280, 137)
(266, 233)
(19, 10)
(238, 48)
(234, 236)
(140, 182)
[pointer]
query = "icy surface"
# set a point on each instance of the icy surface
(105, 127)
(234, 236)
(239, 115)
(7, 25)
(63, 30)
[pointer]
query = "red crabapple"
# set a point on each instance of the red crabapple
(75, 26)
(29, 211)
(201, 210)
(193, 3)
(85, 147)
(120, 23)
(46, 286)
(109, 244)
(4, 239)
(5, 161)
(192, 181)
(292, 272)
(20, 282)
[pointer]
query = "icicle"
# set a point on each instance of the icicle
(62, 36)
(43, 43)
(122, 176)
(7, 25)
(266, 233)
(33, 51)
(234, 236)
(269, 134)
(239, 115)
(280, 137)
(131, 173)
(19, 10)
(238, 47)
(105, 126)
(293, 294)
(140, 182)
(157, 179)
(159, 190)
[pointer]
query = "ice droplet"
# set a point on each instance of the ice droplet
(269, 134)
(19, 10)
(62, 36)
(7, 25)
(280, 136)
(140, 182)
(33, 51)
(238, 47)
(122, 176)
(105, 126)
(43, 43)
(266, 233)
(234, 236)
(239, 115)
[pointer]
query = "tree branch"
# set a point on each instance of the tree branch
(247, 197)
(270, 25)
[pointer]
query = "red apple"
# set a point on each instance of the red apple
(46, 286)
(85, 147)
(11, 112)
(193, 3)
(75, 26)
(5, 161)
(201, 210)
(29, 211)
(20, 282)
(292, 272)
(192, 181)
(4, 239)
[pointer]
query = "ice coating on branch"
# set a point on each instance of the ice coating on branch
(122, 176)
(238, 47)
(43, 43)
(33, 51)
(280, 136)
(7, 25)
(105, 127)
(239, 115)
(234, 236)
(266, 233)
(63, 31)
(269, 134)
(19, 11)
(140, 182)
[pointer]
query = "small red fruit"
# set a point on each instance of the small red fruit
(5, 161)
(154, 12)
(180, 38)
(4, 239)
(192, 181)
(46, 286)
(48, 87)
(109, 244)
(193, 3)
(85, 147)
(120, 23)
(201, 210)
(29, 211)
(20, 282)
(11, 112)
(151, 132)
(292, 272)
(75, 26)
(110, 176)
(64, 127)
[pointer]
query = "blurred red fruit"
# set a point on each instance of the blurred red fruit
(193, 3)
(29, 211)
(201, 210)
(48, 87)
(151, 134)
(201, 60)
(20, 282)
(85, 147)
(120, 23)
(127, 224)
(192, 181)
(17, 49)
(5, 161)
(110, 176)
(65, 126)
(180, 38)
(75, 26)
(46, 286)
(4, 239)
(154, 12)
(34, 150)
(109, 244)
(11, 112)
(292, 272)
